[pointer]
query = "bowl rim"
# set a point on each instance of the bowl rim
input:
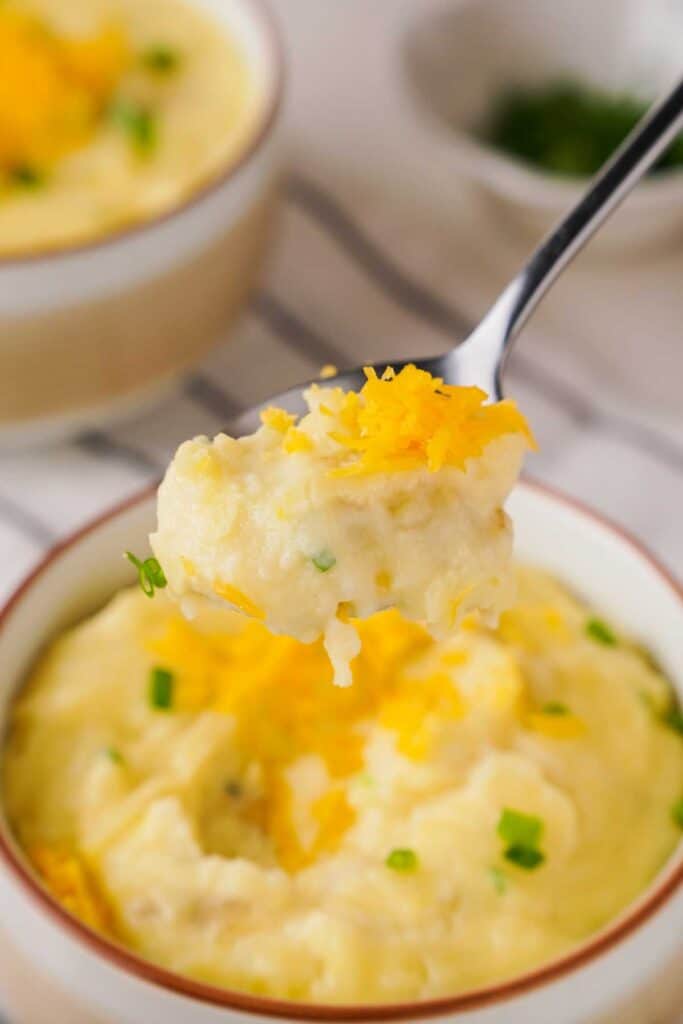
(208, 186)
(522, 182)
(215, 996)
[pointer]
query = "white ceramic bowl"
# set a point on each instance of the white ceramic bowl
(89, 331)
(459, 59)
(629, 973)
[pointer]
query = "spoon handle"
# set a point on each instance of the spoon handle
(613, 183)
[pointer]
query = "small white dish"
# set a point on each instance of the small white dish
(459, 59)
(628, 973)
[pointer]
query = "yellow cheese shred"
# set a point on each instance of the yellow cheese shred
(53, 89)
(412, 420)
(68, 880)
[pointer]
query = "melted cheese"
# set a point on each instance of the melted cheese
(386, 497)
(242, 835)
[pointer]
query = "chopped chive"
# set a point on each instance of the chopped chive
(234, 789)
(138, 123)
(672, 718)
(521, 834)
(677, 813)
(600, 632)
(499, 879)
(527, 857)
(160, 59)
(150, 574)
(555, 707)
(324, 560)
(402, 860)
(25, 176)
(161, 688)
(518, 829)
(114, 755)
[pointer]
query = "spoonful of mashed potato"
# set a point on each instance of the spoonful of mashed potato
(390, 496)
(385, 495)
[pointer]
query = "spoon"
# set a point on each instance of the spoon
(480, 359)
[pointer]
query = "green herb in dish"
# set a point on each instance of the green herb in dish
(526, 857)
(402, 860)
(114, 755)
(673, 719)
(138, 123)
(26, 176)
(522, 834)
(324, 560)
(555, 707)
(161, 689)
(677, 813)
(160, 59)
(601, 632)
(150, 574)
(568, 128)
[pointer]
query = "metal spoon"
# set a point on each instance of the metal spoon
(480, 359)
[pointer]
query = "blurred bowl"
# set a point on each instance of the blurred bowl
(458, 61)
(89, 332)
(627, 973)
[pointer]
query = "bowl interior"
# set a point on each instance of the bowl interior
(594, 558)
(460, 59)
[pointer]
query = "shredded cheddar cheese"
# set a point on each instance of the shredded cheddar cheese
(277, 419)
(53, 89)
(238, 599)
(410, 419)
(69, 881)
(245, 675)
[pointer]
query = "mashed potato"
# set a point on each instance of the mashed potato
(388, 497)
(111, 111)
(469, 808)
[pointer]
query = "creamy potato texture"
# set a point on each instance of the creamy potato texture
(111, 111)
(469, 808)
(388, 497)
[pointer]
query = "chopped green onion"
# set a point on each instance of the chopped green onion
(521, 834)
(673, 719)
(114, 755)
(138, 123)
(518, 829)
(25, 176)
(324, 560)
(554, 707)
(234, 789)
(402, 860)
(677, 813)
(499, 879)
(150, 574)
(600, 632)
(161, 688)
(161, 59)
(527, 857)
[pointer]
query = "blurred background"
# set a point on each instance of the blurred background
(399, 220)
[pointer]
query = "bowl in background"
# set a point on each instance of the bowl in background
(89, 331)
(460, 58)
(628, 973)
